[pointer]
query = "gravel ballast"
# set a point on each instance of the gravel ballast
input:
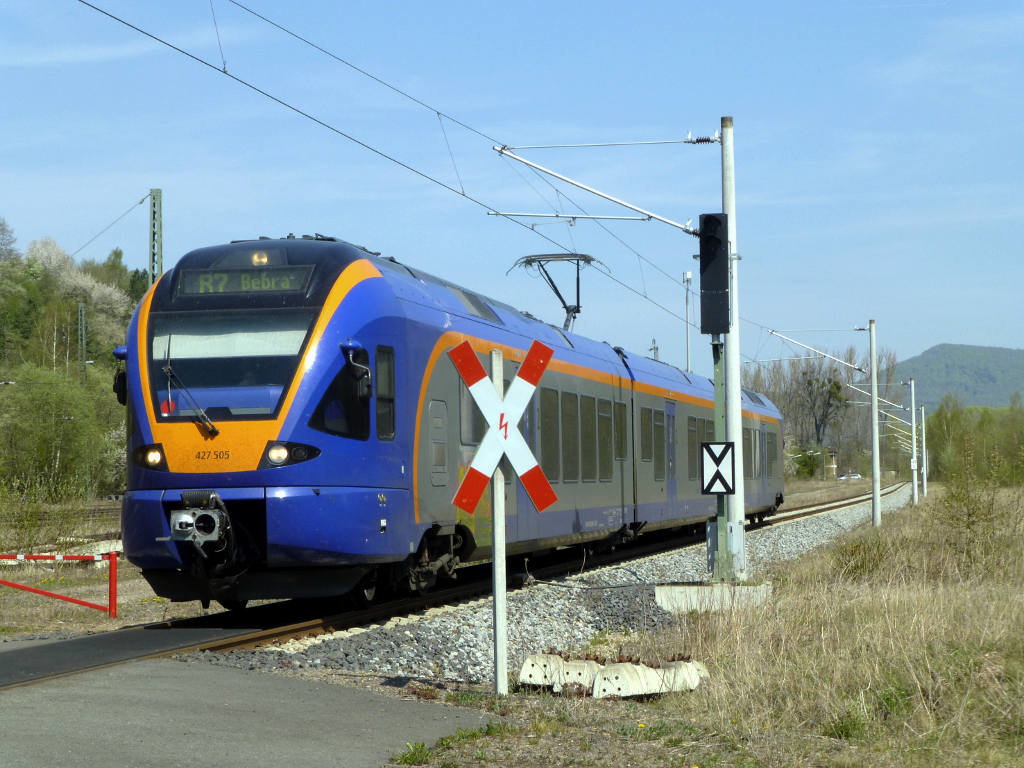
(455, 643)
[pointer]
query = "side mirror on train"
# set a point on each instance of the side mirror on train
(359, 359)
(363, 388)
(121, 387)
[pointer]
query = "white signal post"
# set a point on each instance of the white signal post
(733, 402)
(913, 438)
(502, 411)
(876, 471)
(688, 279)
(924, 454)
(500, 618)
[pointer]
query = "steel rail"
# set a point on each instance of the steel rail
(659, 543)
(233, 630)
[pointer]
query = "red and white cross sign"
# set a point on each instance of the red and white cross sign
(503, 436)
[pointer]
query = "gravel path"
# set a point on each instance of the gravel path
(455, 643)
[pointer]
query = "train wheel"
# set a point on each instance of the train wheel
(233, 605)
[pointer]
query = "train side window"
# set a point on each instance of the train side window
(588, 437)
(659, 445)
(748, 463)
(570, 437)
(692, 447)
(646, 435)
(472, 424)
(550, 460)
(773, 453)
(385, 393)
(604, 440)
(344, 410)
(764, 454)
(758, 454)
(620, 431)
(709, 430)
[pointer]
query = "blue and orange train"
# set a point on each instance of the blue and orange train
(296, 428)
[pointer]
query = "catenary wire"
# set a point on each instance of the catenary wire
(601, 144)
(383, 154)
(130, 209)
(468, 127)
(316, 120)
(360, 70)
(219, 45)
(607, 231)
(440, 121)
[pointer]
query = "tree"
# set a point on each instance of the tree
(51, 434)
(138, 284)
(815, 396)
(111, 271)
(7, 241)
(107, 306)
(61, 432)
(821, 392)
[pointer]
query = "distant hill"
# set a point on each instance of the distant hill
(974, 375)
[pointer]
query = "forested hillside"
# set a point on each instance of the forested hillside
(61, 428)
(982, 376)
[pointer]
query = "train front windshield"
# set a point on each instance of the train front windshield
(231, 364)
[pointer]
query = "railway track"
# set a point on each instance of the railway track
(286, 620)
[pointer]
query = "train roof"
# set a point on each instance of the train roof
(417, 286)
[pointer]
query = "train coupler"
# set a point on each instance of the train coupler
(203, 520)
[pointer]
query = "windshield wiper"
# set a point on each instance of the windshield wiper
(198, 414)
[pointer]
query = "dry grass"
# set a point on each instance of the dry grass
(28, 525)
(902, 646)
(25, 614)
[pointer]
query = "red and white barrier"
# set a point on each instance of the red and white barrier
(111, 557)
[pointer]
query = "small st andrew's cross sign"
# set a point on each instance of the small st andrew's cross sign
(717, 469)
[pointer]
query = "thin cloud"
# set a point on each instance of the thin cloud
(198, 40)
(973, 53)
(28, 58)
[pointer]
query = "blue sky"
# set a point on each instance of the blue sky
(878, 149)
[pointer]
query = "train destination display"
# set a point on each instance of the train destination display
(291, 279)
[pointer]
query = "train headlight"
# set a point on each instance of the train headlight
(150, 457)
(277, 454)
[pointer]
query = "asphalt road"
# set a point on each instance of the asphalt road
(169, 713)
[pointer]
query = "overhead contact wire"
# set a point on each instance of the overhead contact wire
(376, 151)
(361, 71)
(316, 120)
(217, 30)
(468, 127)
(111, 224)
